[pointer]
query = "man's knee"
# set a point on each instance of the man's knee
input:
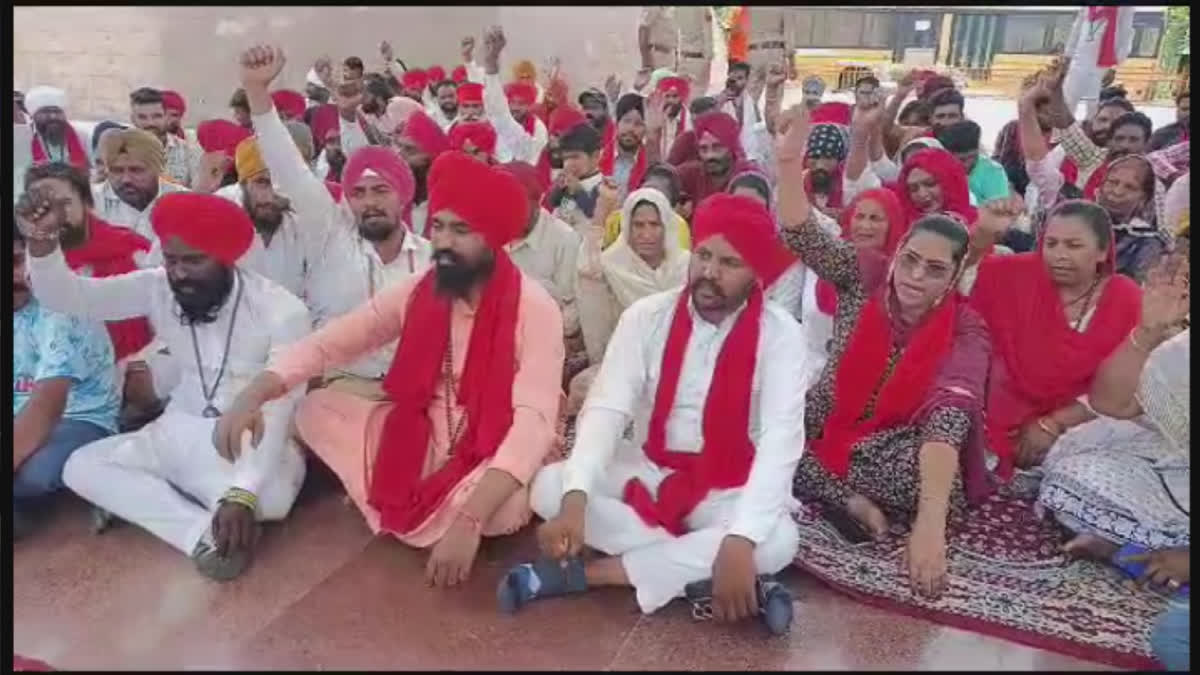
(545, 492)
(77, 469)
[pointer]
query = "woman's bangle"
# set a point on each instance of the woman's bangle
(241, 497)
(1044, 423)
(1137, 345)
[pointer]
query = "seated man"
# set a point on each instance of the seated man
(222, 325)
(472, 393)
(702, 493)
(134, 161)
(64, 392)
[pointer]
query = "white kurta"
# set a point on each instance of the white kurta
(114, 211)
(659, 565)
(132, 475)
(513, 142)
(345, 269)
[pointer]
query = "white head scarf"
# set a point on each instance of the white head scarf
(629, 277)
(45, 97)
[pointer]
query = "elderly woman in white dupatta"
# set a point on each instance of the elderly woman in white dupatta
(646, 259)
(1123, 478)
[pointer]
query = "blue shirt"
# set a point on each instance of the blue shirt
(48, 345)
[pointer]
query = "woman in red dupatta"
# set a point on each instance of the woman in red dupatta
(897, 411)
(933, 181)
(1054, 315)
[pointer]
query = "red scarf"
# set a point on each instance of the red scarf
(858, 377)
(397, 489)
(886, 199)
(1095, 180)
(609, 157)
(724, 461)
(1107, 58)
(76, 155)
(956, 195)
(1039, 363)
(109, 252)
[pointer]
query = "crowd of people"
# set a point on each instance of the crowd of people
(421, 279)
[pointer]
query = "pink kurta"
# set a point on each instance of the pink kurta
(344, 430)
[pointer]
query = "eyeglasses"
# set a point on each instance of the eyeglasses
(935, 270)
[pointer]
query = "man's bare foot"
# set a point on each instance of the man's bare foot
(1090, 546)
(868, 515)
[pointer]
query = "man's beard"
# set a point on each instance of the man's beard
(450, 110)
(72, 236)
(717, 167)
(454, 277)
(54, 131)
(420, 183)
(673, 111)
(375, 226)
(372, 107)
(136, 197)
(599, 122)
(267, 218)
(629, 143)
(202, 304)
(822, 181)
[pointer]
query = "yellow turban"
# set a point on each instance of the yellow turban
(248, 159)
(139, 145)
(524, 70)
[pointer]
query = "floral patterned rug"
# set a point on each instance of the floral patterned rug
(1007, 579)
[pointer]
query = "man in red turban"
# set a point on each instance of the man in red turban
(477, 139)
(220, 323)
(720, 156)
(176, 108)
(470, 102)
(701, 509)
(521, 135)
(676, 93)
(413, 84)
(420, 143)
(472, 394)
(290, 104)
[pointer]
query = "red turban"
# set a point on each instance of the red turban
(564, 118)
(528, 176)
(480, 134)
(221, 136)
(832, 113)
(520, 93)
(289, 103)
(414, 79)
(436, 74)
(386, 164)
(217, 226)
(489, 199)
(172, 100)
(724, 128)
(470, 93)
(748, 226)
(324, 120)
(426, 134)
(459, 74)
(679, 85)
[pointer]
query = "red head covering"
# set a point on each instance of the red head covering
(385, 163)
(414, 80)
(564, 118)
(480, 134)
(214, 225)
(491, 200)
(728, 453)
(459, 74)
(520, 93)
(470, 93)
(1039, 362)
(676, 84)
(324, 120)
(528, 176)
(832, 113)
(724, 128)
(172, 100)
(289, 103)
(949, 172)
(435, 74)
(221, 136)
(493, 203)
(896, 229)
(426, 134)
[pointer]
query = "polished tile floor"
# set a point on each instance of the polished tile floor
(324, 594)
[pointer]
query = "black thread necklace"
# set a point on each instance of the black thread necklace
(210, 410)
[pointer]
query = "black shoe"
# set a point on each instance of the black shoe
(774, 605)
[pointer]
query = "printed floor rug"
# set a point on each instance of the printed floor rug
(1006, 579)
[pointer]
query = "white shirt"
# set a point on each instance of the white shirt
(345, 270)
(626, 383)
(183, 160)
(434, 110)
(269, 319)
(513, 143)
(548, 255)
(114, 211)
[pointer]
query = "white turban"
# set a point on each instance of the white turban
(313, 78)
(45, 97)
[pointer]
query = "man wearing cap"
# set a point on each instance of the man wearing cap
(471, 396)
(148, 112)
(222, 325)
(419, 144)
(825, 161)
(521, 136)
(367, 245)
(134, 161)
(54, 139)
(712, 377)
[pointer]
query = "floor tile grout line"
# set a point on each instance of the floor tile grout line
(625, 643)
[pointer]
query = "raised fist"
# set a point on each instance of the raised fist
(261, 64)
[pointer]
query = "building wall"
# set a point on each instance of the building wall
(101, 53)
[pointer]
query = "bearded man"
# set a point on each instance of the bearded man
(54, 138)
(419, 144)
(472, 394)
(134, 162)
(521, 136)
(221, 324)
(175, 107)
(147, 111)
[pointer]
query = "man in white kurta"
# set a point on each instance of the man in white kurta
(754, 516)
(1085, 47)
(168, 477)
(513, 142)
